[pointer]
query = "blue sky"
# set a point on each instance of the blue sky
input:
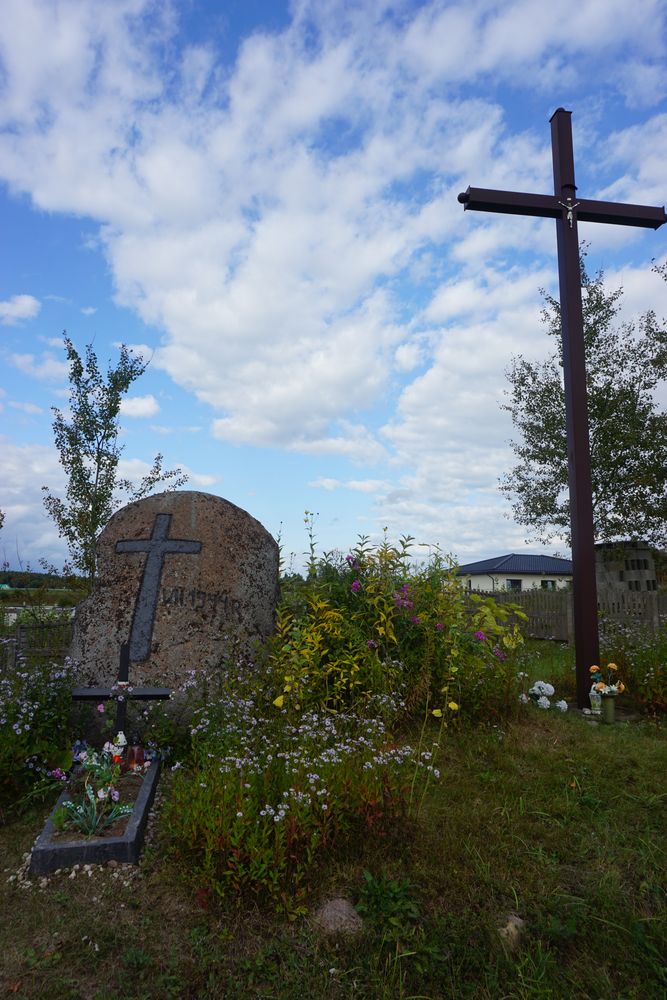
(261, 197)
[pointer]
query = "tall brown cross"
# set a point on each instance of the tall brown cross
(566, 210)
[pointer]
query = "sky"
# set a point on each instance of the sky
(260, 198)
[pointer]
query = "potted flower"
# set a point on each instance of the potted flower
(607, 684)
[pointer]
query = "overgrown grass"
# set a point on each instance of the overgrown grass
(556, 819)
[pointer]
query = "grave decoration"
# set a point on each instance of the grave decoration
(86, 809)
(190, 578)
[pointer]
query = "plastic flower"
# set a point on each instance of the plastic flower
(101, 708)
(561, 706)
(543, 702)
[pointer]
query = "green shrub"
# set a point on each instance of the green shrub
(373, 623)
(35, 704)
(641, 655)
(264, 794)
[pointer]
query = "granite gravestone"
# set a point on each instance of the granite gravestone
(187, 579)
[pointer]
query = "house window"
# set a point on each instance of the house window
(548, 584)
(514, 584)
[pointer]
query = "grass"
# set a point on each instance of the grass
(554, 818)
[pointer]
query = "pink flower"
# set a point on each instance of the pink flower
(439, 626)
(355, 586)
(101, 708)
(480, 635)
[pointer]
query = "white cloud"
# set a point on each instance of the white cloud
(18, 308)
(356, 485)
(88, 310)
(233, 219)
(31, 408)
(45, 369)
(139, 406)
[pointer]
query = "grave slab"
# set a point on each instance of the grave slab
(49, 854)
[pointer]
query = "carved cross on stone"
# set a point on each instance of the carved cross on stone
(566, 209)
(121, 692)
(157, 547)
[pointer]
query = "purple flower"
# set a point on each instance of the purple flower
(415, 620)
(439, 626)
(498, 653)
(355, 586)
(480, 635)
(351, 561)
(372, 644)
(101, 708)
(115, 794)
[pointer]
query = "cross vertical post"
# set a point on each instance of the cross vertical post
(123, 677)
(582, 531)
(565, 209)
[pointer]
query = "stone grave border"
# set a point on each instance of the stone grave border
(48, 854)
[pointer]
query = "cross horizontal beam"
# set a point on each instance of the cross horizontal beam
(105, 693)
(549, 206)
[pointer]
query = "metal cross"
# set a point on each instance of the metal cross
(157, 546)
(562, 207)
(120, 691)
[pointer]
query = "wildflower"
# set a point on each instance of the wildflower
(524, 699)
(415, 620)
(355, 585)
(480, 636)
(437, 712)
(372, 644)
(279, 701)
(452, 706)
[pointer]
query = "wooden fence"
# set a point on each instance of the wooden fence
(550, 613)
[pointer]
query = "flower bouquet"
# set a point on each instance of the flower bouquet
(606, 685)
(96, 788)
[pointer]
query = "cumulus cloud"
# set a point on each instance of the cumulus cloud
(31, 408)
(18, 308)
(45, 368)
(139, 406)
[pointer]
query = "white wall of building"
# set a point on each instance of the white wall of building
(529, 581)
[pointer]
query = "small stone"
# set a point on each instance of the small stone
(512, 932)
(338, 916)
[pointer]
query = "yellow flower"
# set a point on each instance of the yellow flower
(600, 687)
(612, 666)
(278, 702)
(621, 687)
(594, 669)
(437, 712)
(454, 707)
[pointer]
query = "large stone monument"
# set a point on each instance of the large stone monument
(188, 579)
